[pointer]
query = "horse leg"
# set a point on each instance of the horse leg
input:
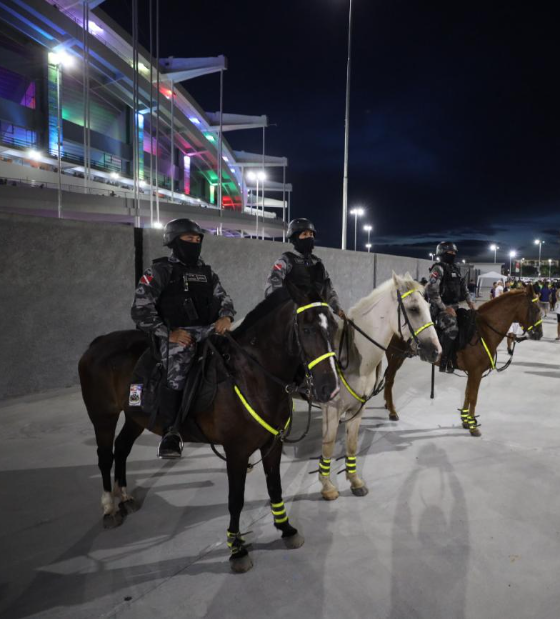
(469, 406)
(104, 427)
(123, 445)
(330, 427)
(357, 485)
(394, 362)
(271, 464)
(240, 560)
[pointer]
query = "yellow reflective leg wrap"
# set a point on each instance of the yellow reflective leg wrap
(279, 513)
(235, 541)
(464, 415)
(325, 467)
(350, 464)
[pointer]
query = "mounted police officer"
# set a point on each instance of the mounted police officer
(302, 267)
(444, 291)
(179, 302)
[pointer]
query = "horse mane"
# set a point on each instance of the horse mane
(366, 303)
(488, 305)
(269, 304)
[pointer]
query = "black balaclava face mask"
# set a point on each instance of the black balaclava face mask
(448, 258)
(187, 251)
(304, 246)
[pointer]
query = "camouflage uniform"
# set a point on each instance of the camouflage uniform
(284, 265)
(175, 357)
(435, 290)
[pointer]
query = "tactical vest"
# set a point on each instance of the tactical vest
(188, 298)
(304, 274)
(451, 285)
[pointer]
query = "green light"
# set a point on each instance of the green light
(210, 137)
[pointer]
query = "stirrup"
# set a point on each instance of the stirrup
(173, 452)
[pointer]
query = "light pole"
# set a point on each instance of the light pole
(368, 228)
(368, 246)
(511, 255)
(252, 176)
(346, 133)
(358, 212)
(539, 243)
(431, 255)
(58, 59)
(549, 268)
(495, 248)
(521, 268)
(261, 176)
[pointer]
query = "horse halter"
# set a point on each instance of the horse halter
(413, 333)
(318, 360)
(528, 329)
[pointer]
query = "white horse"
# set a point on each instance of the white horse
(396, 307)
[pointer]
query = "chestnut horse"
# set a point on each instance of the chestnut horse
(493, 321)
(251, 411)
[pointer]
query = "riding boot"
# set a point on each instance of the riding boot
(171, 445)
(446, 361)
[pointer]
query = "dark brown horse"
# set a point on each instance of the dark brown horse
(285, 330)
(493, 321)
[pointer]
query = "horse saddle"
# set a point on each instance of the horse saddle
(206, 372)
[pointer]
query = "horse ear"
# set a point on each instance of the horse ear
(530, 290)
(396, 280)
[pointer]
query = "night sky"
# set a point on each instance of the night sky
(454, 130)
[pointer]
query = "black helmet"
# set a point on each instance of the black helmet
(299, 225)
(446, 246)
(176, 228)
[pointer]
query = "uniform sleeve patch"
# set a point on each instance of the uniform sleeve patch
(278, 267)
(146, 279)
(435, 274)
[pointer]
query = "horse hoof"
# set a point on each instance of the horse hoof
(394, 416)
(241, 564)
(128, 506)
(111, 521)
(475, 432)
(293, 542)
(360, 491)
(330, 495)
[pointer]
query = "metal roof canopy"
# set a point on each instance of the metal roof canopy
(256, 160)
(182, 69)
(235, 122)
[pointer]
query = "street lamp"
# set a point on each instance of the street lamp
(346, 134)
(358, 212)
(539, 243)
(511, 255)
(368, 246)
(59, 59)
(550, 268)
(495, 248)
(368, 228)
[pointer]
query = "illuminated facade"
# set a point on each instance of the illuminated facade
(102, 102)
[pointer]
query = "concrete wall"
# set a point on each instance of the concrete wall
(62, 283)
(65, 282)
